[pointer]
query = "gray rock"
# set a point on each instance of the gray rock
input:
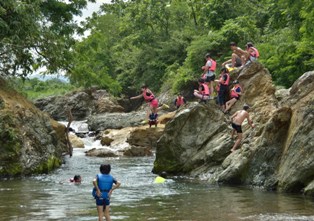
(30, 142)
(81, 103)
(101, 152)
(102, 122)
(277, 155)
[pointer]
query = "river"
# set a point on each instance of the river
(53, 197)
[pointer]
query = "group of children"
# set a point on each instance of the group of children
(239, 58)
(226, 98)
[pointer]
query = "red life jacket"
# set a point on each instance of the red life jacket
(206, 90)
(179, 101)
(213, 66)
(226, 82)
(148, 98)
(233, 91)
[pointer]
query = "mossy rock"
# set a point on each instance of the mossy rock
(46, 167)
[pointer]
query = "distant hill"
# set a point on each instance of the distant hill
(50, 77)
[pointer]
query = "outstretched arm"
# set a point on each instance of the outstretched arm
(136, 97)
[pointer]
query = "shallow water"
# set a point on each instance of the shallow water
(53, 197)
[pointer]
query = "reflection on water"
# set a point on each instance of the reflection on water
(53, 197)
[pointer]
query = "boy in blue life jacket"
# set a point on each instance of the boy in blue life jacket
(104, 184)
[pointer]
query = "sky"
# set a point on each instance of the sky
(91, 7)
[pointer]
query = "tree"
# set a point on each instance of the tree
(36, 34)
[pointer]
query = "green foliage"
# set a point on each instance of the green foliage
(156, 42)
(36, 34)
(35, 88)
(10, 143)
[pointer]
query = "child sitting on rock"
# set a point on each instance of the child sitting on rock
(152, 119)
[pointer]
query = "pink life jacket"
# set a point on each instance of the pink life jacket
(225, 82)
(213, 66)
(255, 53)
(179, 101)
(206, 90)
(234, 93)
(148, 98)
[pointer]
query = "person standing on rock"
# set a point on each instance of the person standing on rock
(104, 184)
(237, 119)
(149, 97)
(209, 71)
(223, 88)
(152, 101)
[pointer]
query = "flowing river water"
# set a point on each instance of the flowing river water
(53, 197)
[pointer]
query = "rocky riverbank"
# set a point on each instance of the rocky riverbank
(195, 140)
(30, 141)
(276, 155)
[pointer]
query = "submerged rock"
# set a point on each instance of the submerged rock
(277, 155)
(76, 141)
(130, 141)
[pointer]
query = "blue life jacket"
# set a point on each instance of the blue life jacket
(105, 182)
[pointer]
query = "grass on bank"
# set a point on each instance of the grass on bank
(35, 88)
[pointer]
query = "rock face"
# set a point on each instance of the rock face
(277, 154)
(30, 142)
(106, 121)
(129, 141)
(82, 104)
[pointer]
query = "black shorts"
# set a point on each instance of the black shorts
(210, 78)
(238, 62)
(237, 98)
(237, 128)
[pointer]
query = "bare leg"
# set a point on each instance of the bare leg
(232, 134)
(100, 213)
(223, 108)
(243, 59)
(230, 103)
(237, 143)
(211, 88)
(147, 113)
(233, 59)
(107, 213)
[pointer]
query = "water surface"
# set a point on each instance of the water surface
(53, 197)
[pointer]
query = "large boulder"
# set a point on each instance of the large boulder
(30, 142)
(81, 103)
(129, 141)
(277, 154)
(76, 141)
(100, 122)
(188, 143)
